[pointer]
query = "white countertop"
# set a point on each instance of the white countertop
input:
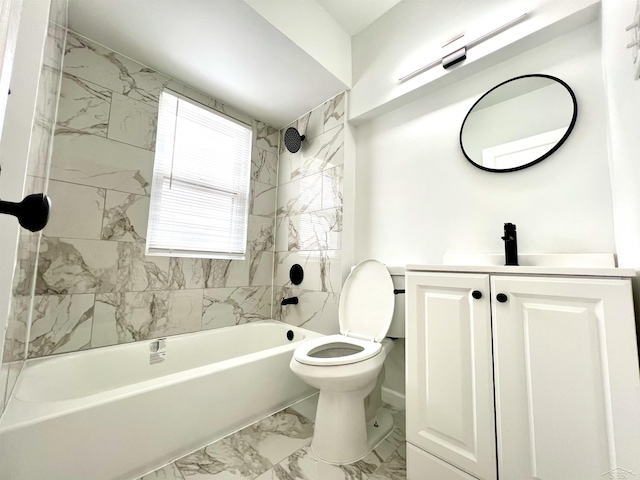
(527, 270)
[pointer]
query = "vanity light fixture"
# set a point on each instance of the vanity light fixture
(460, 54)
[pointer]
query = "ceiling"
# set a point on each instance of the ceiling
(223, 48)
(355, 15)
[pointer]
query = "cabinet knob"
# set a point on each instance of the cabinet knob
(501, 297)
(477, 294)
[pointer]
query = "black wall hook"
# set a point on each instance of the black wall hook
(32, 212)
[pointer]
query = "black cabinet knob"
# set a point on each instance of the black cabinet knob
(477, 294)
(501, 297)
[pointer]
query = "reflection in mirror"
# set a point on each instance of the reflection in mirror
(518, 123)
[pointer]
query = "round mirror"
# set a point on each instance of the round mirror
(518, 123)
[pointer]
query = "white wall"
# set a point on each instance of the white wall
(623, 97)
(411, 34)
(417, 197)
(311, 27)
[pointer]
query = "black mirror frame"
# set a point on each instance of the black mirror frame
(538, 160)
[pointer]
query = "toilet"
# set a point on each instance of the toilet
(347, 368)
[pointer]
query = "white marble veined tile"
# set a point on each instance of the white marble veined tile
(276, 473)
(286, 234)
(298, 196)
(139, 272)
(314, 123)
(105, 326)
(332, 180)
(310, 262)
(304, 465)
(60, 324)
(264, 165)
(260, 233)
(224, 307)
(125, 217)
(83, 106)
(76, 211)
(394, 468)
(280, 435)
(133, 122)
(321, 230)
(168, 472)
(68, 266)
(16, 331)
(316, 311)
(231, 458)
(284, 166)
(322, 270)
(144, 315)
(186, 273)
(90, 61)
(100, 162)
(324, 151)
(261, 268)
(58, 12)
(333, 112)
(260, 250)
(266, 137)
(24, 273)
(39, 148)
(263, 199)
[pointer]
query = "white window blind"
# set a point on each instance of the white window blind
(200, 189)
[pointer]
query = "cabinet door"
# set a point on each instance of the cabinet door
(566, 373)
(450, 411)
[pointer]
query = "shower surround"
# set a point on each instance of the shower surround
(309, 219)
(94, 286)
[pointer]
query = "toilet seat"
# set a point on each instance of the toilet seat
(369, 349)
(364, 314)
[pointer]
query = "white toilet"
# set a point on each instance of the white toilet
(346, 368)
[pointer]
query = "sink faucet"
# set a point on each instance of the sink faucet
(510, 244)
(289, 301)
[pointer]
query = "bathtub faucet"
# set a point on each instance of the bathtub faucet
(289, 301)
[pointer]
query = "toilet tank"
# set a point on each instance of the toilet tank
(396, 330)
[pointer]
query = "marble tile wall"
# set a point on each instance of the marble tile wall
(14, 351)
(94, 285)
(309, 219)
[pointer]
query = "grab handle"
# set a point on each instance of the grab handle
(32, 212)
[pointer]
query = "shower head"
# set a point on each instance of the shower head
(32, 212)
(293, 139)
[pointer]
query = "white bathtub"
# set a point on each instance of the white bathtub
(109, 414)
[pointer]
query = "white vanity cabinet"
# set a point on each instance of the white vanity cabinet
(517, 376)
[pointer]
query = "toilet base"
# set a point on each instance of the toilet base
(377, 430)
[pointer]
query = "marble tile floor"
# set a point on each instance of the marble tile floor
(278, 448)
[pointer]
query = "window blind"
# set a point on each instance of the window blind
(200, 187)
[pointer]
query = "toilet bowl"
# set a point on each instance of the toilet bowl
(347, 367)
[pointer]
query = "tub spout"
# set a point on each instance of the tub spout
(289, 301)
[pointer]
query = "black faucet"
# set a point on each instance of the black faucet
(510, 244)
(289, 301)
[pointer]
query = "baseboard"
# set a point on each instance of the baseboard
(393, 398)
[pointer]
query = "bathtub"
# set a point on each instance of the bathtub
(110, 414)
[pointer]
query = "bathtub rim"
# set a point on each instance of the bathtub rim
(22, 413)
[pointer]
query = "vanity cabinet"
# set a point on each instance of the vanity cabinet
(520, 377)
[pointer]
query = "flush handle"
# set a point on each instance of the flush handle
(501, 297)
(477, 294)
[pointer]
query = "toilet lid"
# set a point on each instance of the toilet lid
(367, 301)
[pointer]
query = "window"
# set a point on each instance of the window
(200, 189)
